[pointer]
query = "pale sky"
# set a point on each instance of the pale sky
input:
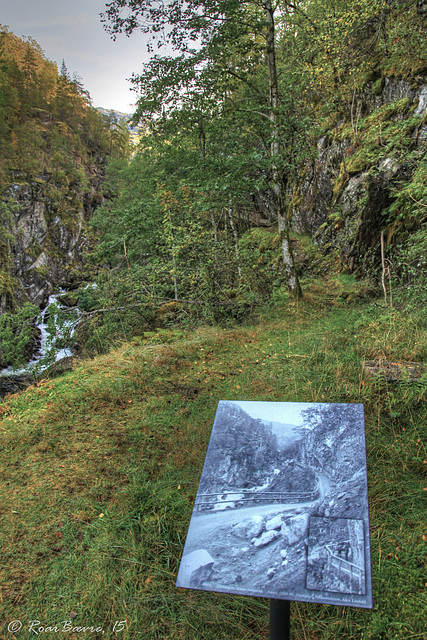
(285, 412)
(72, 30)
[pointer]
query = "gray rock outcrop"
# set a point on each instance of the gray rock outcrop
(266, 538)
(249, 528)
(274, 523)
(295, 529)
(195, 568)
(49, 226)
(342, 196)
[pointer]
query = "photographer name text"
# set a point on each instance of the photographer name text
(37, 627)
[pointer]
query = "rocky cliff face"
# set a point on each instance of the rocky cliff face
(53, 145)
(49, 225)
(343, 196)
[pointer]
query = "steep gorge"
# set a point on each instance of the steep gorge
(53, 146)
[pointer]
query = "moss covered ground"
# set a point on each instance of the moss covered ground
(100, 467)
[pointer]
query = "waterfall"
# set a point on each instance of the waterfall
(62, 329)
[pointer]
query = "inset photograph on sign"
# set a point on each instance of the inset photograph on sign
(336, 555)
(282, 506)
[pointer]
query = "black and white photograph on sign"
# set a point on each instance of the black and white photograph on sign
(282, 506)
(336, 555)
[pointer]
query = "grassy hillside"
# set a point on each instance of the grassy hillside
(101, 466)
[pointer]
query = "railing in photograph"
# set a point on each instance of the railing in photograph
(237, 498)
(346, 568)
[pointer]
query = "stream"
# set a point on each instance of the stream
(12, 380)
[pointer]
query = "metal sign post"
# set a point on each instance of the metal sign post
(280, 619)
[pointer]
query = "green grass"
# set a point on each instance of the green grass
(99, 470)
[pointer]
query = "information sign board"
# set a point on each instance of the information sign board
(282, 507)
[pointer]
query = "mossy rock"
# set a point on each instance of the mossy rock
(43, 271)
(378, 86)
(68, 299)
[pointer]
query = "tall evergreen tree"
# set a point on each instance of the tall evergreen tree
(64, 71)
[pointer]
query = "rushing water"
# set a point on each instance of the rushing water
(62, 327)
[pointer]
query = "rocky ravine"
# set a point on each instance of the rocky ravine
(49, 225)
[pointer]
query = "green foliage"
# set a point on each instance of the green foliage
(171, 230)
(213, 85)
(6, 238)
(8, 284)
(16, 334)
(387, 132)
(409, 270)
(343, 45)
(260, 254)
(130, 215)
(54, 144)
(119, 140)
(410, 197)
(47, 122)
(115, 310)
(212, 107)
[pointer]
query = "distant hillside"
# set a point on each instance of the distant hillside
(286, 434)
(119, 118)
(53, 151)
(113, 114)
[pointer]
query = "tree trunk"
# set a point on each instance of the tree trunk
(175, 282)
(214, 227)
(278, 185)
(235, 236)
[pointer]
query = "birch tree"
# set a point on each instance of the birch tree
(215, 44)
